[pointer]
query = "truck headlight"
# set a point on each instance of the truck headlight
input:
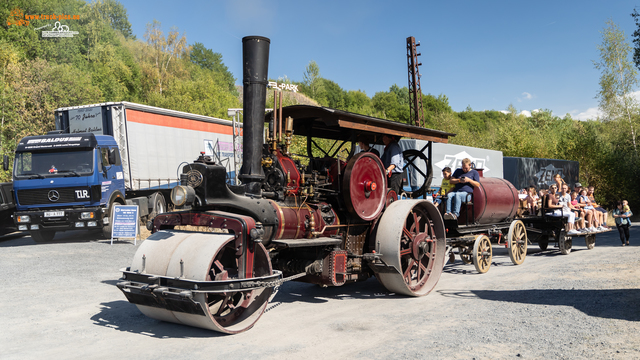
(181, 195)
(86, 215)
(24, 219)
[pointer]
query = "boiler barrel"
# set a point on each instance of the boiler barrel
(494, 201)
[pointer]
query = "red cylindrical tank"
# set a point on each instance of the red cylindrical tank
(295, 222)
(493, 201)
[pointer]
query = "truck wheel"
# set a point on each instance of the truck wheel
(42, 236)
(158, 203)
(106, 230)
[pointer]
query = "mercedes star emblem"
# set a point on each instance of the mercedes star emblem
(53, 195)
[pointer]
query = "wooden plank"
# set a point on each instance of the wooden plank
(377, 129)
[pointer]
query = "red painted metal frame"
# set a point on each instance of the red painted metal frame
(239, 225)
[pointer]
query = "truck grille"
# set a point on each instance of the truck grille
(40, 196)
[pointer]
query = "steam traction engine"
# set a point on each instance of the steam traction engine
(328, 222)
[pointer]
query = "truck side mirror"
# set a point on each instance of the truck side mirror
(5, 162)
(112, 156)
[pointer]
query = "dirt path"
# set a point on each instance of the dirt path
(59, 301)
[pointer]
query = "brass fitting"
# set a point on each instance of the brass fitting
(267, 162)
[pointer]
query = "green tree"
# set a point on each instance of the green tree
(311, 78)
(114, 14)
(618, 78)
(207, 59)
(165, 50)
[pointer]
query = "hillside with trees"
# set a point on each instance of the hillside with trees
(106, 62)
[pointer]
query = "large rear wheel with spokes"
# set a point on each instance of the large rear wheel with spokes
(411, 239)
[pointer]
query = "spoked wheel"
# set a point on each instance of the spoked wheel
(564, 242)
(419, 163)
(482, 253)
(517, 242)
(411, 239)
(465, 254)
(590, 240)
(204, 257)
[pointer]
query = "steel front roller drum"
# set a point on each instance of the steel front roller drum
(482, 253)
(411, 240)
(204, 257)
(517, 242)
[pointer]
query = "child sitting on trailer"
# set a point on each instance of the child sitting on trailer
(446, 185)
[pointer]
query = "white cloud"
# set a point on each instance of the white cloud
(526, 113)
(593, 113)
(589, 114)
(525, 96)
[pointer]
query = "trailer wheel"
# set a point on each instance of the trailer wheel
(482, 253)
(465, 255)
(564, 242)
(590, 240)
(43, 236)
(543, 243)
(517, 242)
(158, 203)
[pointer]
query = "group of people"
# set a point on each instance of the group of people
(584, 215)
(579, 206)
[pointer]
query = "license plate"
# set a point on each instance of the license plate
(53, 213)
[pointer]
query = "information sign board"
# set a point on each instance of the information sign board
(124, 222)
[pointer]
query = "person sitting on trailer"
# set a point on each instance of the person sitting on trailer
(600, 209)
(364, 146)
(445, 186)
(532, 200)
(464, 179)
(593, 217)
(560, 209)
(393, 162)
(559, 181)
(580, 213)
(577, 187)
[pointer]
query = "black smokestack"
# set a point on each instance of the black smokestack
(255, 60)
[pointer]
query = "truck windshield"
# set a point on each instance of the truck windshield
(54, 164)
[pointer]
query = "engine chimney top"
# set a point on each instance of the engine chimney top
(255, 61)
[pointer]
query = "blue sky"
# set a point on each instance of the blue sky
(487, 55)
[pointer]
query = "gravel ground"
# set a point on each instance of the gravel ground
(58, 300)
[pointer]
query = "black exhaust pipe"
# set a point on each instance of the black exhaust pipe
(255, 59)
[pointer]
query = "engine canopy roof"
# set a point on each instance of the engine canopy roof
(327, 123)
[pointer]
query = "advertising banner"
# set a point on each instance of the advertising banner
(86, 120)
(524, 172)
